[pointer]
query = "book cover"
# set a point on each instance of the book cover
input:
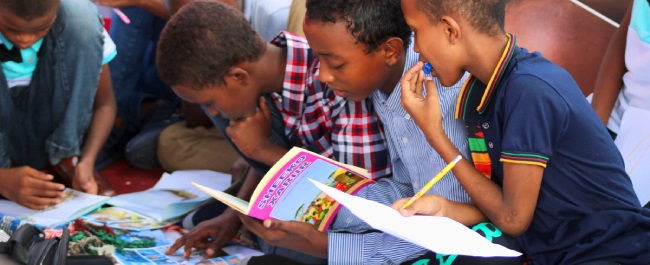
(286, 193)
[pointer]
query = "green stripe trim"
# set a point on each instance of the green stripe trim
(526, 155)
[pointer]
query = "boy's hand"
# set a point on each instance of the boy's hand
(84, 178)
(251, 134)
(293, 235)
(210, 235)
(425, 111)
(426, 205)
(30, 188)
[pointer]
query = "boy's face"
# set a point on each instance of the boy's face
(344, 64)
(231, 102)
(24, 33)
(432, 42)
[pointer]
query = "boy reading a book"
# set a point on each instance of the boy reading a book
(56, 101)
(364, 50)
(557, 180)
(209, 54)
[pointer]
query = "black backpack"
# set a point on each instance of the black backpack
(28, 246)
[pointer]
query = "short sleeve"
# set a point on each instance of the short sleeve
(534, 118)
(110, 50)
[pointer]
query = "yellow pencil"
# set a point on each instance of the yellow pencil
(435, 179)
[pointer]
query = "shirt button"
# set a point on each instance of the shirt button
(407, 117)
(348, 221)
(491, 145)
(416, 186)
(486, 125)
(405, 140)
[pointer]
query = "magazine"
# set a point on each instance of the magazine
(173, 196)
(75, 204)
(285, 192)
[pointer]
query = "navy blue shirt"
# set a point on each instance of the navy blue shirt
(534, 113)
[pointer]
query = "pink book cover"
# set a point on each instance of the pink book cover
(288, 194)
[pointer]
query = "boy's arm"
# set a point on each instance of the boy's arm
(612, 68)
(104, 109)
(510, 207)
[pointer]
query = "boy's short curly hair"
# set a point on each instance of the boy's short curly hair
(30, 9)
(486, 16)
(201, 42)
(371, 22)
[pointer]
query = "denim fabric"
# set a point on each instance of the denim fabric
(44, 122)
(133, 71)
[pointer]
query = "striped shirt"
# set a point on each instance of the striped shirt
(414, 163)
(318, 120)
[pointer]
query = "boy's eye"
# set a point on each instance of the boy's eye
(338, 66)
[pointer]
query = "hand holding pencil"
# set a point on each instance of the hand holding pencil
(435, 179)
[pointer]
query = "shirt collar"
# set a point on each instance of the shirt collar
(36, 46)
(476, 95)
(297, 70)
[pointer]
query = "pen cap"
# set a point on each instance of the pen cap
(427, 68)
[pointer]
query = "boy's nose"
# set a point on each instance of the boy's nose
(324, 75)
(24, 41)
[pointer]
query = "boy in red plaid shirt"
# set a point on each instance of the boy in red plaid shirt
(241, 81)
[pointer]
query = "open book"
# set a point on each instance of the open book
(75, 204)
(285, 192)
(173, 196)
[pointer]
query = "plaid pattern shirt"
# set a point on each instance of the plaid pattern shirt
(318, 120)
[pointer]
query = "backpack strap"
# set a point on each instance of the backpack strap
(17, 248)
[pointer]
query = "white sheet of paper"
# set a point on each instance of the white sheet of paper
(439, 234)
(633, 141)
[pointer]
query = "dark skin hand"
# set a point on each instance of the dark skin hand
(210, 235)
(251, 136)
(293, 235)
(30, 188)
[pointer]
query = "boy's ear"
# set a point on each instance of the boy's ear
(238, 76)
(393, 49)
(452, 29)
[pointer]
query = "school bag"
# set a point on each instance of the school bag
(28, 246)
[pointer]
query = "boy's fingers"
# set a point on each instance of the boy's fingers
(41, 202)
(398, 204)
(177, 244)
(431, 86)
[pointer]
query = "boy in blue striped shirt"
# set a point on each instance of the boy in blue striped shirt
(364, 48)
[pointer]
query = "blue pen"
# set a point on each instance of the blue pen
(427, 68)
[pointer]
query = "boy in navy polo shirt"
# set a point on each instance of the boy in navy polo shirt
(557, 180)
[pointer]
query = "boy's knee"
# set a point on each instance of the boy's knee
(80, 17)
